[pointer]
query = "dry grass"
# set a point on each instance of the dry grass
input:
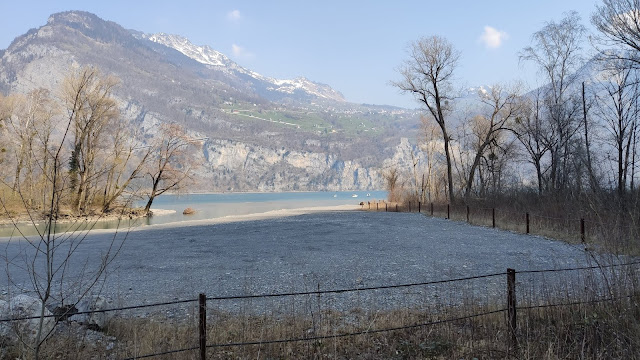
(590, 331)
(611, 225)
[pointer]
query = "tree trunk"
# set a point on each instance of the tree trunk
(592, 177)
(449, 172)
(154, 190)
(539, 174)
(472, 172)
(147, 207)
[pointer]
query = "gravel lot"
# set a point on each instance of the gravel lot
(330, 250)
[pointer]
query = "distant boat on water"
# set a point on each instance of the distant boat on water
(368, 195)
(354, 195)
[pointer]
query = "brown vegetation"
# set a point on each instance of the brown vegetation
(458, 323)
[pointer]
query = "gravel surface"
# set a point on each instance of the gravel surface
(332, 250)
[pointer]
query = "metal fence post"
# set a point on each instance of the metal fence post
(511, 308)
(527, 219)
(419, 206)
(202, 300)
(448, 212)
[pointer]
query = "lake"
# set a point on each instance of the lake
(211, 206)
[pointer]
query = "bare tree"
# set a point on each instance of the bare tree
(29, 127)
(503, 107)
(119, 176)
(427, 75)
(172, 162)
(619, 23)
(586, 106)
(532, 131)
(430, 148)
(619, 108)
(556, 51)
(392, 182)
(88, 98)
(47, 258)
(496, 163)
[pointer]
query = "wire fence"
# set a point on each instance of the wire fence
(314, 317)
(581, 227)
(317, 316)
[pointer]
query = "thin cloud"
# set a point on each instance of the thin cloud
(234, 15)
(240, 52)
(493, 38)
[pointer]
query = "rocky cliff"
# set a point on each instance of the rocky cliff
(263, 134)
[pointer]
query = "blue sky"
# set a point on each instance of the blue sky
(354, 46)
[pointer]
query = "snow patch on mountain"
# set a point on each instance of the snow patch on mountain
(215, 59)
(478, 91)
(201, 54)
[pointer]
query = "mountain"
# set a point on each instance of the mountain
(263, 133)
(271, 88)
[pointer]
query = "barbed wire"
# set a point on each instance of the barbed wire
(620, 226)
(364, 332)
(375, 331)
(239, 297)
(322, 337)
(511, 213)
(71, 313)
(576, 302)
(553, 218)
(483, 208)
(597, 224)
(578, 268)
(168, 352)
(316, 292)
(368, 288)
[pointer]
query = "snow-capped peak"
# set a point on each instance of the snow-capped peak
(203, 54)
(208, 56)
(481, 90)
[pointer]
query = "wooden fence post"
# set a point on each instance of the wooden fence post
(448, 212)
(582, 234)
(467, 213)
(377, 206)
(511, 308)
(527, 220)
(385, 207)
(419, 207)
(202, 300)
(493, 217)
(409, 206)
(396, 207)
(431, 209)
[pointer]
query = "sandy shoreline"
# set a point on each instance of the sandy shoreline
(273, 214)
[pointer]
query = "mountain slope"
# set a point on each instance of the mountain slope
(264, 134)
(269, 87)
